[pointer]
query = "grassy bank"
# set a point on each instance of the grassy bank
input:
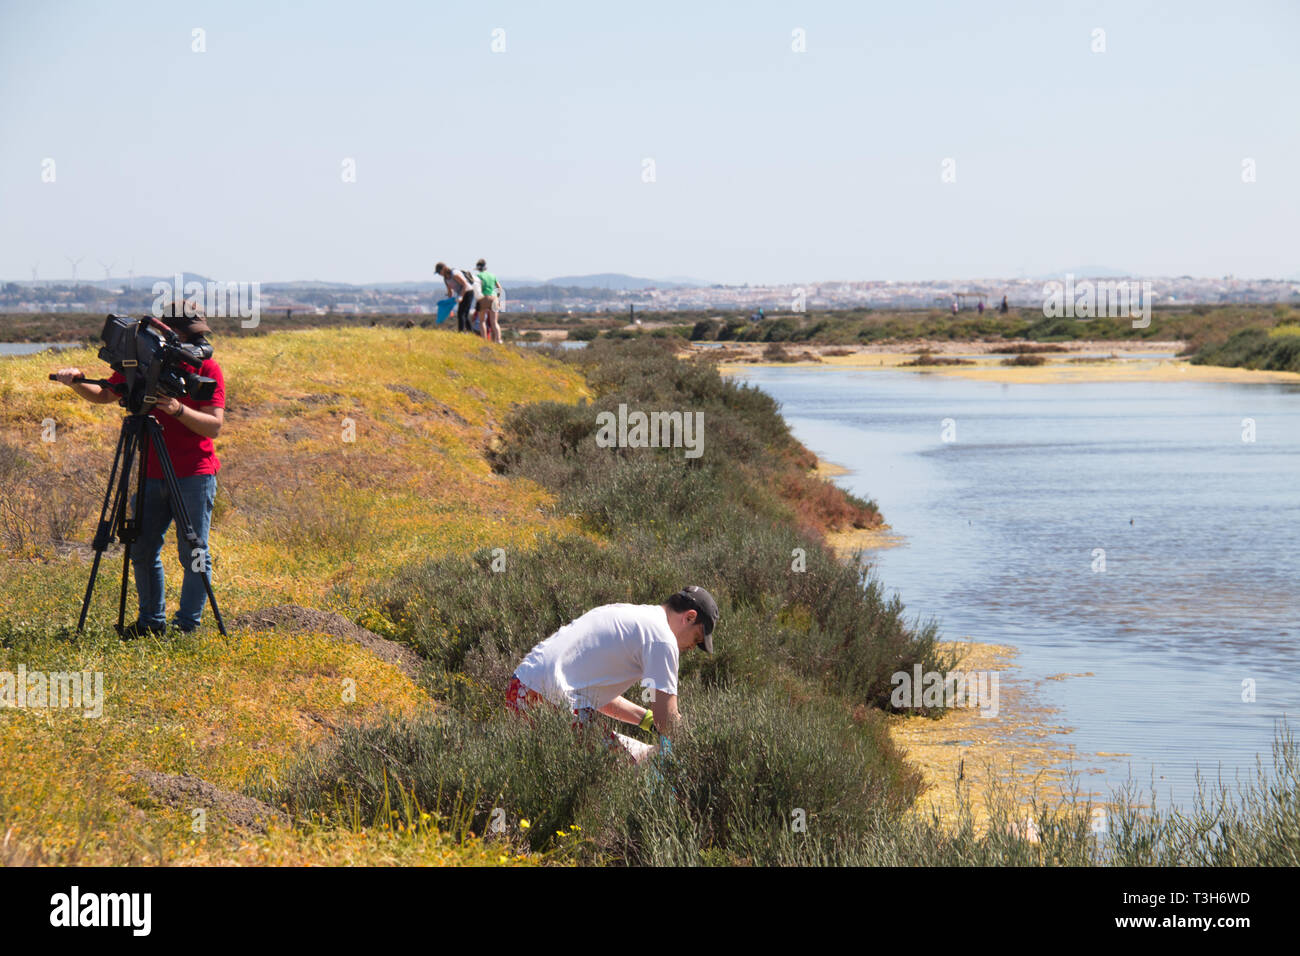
(345, 451)
(786, 717)
(300, 512)
(473, 513)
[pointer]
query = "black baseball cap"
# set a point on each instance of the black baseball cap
(185, 316)
(707, 608)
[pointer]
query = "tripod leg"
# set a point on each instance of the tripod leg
(184, 529)
(110, 510)
(130, 525)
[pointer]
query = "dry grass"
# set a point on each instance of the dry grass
(299, 509)
(302, 516)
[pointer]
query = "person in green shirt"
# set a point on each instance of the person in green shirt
(489, 302)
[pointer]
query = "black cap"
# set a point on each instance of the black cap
(190, 325)
(707, 608)
(185, 316)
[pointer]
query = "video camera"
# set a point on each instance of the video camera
(151, 353)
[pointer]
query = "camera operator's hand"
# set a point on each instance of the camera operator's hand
(206, 420)
(91, 393)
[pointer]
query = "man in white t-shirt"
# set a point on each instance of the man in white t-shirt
(586, 665)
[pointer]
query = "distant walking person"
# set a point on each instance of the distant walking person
(488, 311)
(461, 288)
(1003, 307)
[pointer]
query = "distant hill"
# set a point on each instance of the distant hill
(1092, 272)
(116, 282)
(422, 285)
(618, 281)
(609, 281)
(316, 284)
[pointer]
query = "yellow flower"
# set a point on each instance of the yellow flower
(524, 824)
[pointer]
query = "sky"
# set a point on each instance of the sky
(363, 142)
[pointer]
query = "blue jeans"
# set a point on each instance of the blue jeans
(198, 493)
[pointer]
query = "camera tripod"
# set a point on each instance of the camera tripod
(140, 431)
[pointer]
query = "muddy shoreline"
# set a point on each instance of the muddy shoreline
(1076, 361)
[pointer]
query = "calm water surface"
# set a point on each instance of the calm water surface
(1200, 529)
(28, 348)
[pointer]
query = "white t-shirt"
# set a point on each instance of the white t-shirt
(590, 661)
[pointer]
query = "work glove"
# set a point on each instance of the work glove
(647, 720)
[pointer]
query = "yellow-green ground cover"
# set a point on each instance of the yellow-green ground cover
(345, 453)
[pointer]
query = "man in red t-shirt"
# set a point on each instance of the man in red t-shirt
(188, 430)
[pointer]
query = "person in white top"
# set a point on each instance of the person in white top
(586, 665)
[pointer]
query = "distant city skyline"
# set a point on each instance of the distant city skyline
(784, 143)
(622, 294)
(583, 281)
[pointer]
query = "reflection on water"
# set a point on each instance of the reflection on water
(1006, 529)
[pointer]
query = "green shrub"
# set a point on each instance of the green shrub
(668, 521)
(749, 772)
(1024, 358)
(779, 330)
(1254, 348)
(706, 330)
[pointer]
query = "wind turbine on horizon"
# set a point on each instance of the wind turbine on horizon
(75, 263)
(108, 269)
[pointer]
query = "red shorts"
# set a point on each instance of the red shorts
(520, 698)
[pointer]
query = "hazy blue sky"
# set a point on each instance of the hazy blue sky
(770, 165)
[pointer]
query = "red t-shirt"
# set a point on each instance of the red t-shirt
(191, 453)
